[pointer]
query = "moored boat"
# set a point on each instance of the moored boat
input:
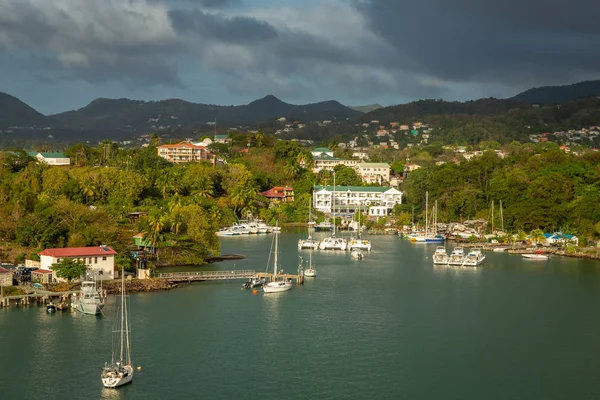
(536, 256)
(457, 256)
(440, 256)
(474, 257)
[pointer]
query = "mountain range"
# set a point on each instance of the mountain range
(125, 115)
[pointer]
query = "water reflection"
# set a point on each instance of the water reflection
(456, 269)
(111, 394)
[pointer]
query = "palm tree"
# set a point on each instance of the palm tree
(537, 236)
(259, 137)
(88, 190)
(291, 169)
(204, 187)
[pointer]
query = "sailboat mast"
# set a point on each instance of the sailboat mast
(426, 211)
(276, 251)
(501, 217)
(333, 203)
(122, 312)
(492, 217)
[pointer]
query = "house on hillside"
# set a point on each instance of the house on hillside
(51, 158)
(96, 258)
(279, 194)
(321, 151)
(374, 172)
(185, 152)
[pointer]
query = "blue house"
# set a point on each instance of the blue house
(559, 238)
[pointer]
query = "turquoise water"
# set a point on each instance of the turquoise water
(391, 326)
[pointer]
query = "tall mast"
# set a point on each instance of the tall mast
(492, 217)
(276, 250)
(309, 218)
(501, 217)
(122, 312)
(333, 203)
(426, 211)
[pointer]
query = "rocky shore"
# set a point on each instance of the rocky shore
(138, 285)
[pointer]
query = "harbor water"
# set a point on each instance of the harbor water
(390, 326)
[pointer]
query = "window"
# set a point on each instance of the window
(104, 258)
(95, 260)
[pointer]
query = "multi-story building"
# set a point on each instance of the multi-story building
(329, 163)
(279, 194)
(377, 201)
(96, 258)
(374, 172)
(185, 152)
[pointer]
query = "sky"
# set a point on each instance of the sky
(58, 55)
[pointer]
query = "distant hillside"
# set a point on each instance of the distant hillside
(367, 108)
(143, 115)
(13, 112)
(422, 108)
(560, 94)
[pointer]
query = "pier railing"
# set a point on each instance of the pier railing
(206, 275)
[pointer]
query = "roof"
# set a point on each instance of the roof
(79, 251)
(277, 192)
(54, 155)
(374, 165)
(323, 156)
(376, 189)
(181, 144)
(321, 150)
(41, 271)
(4, 271)
(221, 137)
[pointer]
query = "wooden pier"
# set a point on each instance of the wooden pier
(37, 297)
(198, 276)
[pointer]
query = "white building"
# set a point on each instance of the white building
(51, 158)
(378, 201)
(96, 258)
(374, 172)
(329, 163)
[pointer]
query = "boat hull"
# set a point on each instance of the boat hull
(535, 256)
(276, 287)
(311, 273)
(90, 308)
(113, 379)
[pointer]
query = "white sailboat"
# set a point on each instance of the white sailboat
(428, 237)
(358, 242)
(120, 370)
(310, 272)
(277, 284)
(309, 242)
(332, 242)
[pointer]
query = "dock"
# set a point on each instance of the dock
(42, 297)
(199, 276)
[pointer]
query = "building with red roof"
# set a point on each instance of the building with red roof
(100, 260)
(279, 194)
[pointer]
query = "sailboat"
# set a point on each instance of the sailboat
(309, 242)
(277, 284)
(332, 242)
(310, 272)
(358, 242)
(428, 237)
(120, 370)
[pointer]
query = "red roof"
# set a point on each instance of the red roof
(79, 251)
(4, 271)
(41, 271)
(277, 191)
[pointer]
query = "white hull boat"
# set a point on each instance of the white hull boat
(310, 273)
(278, 283)
(120, 370)
(357, 254)
(440, 256)
(474, 258)
(535, 256)
(304, 244)
(361, 244)
(457, 257)
(333, 243)
(90, 301)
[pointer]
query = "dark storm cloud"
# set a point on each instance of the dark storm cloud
(509, 41)
(230, 30)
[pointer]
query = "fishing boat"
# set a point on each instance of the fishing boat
(357, 254)
(457, 256)
(440, 256)
(309, 242)
(474, 257)
(333, 242)
(90, 299)
(120, 370)
(278, 283)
